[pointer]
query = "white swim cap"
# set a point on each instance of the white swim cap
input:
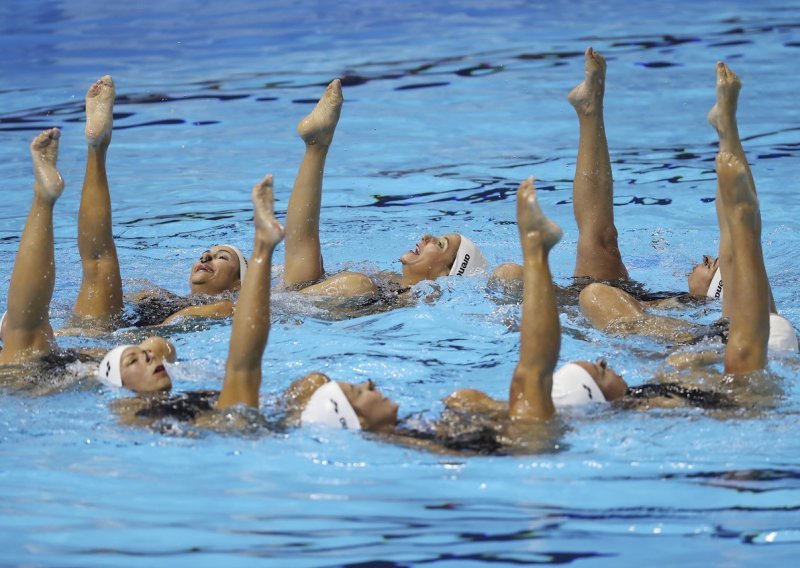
(715, 288)
(469, 259)
(573, 385)
(329, 406)
(110, 371)
(242, 261)
(782, 336)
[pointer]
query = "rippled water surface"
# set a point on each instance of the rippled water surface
(448, 106)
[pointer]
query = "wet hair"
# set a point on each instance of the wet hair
(184, 406)
(482, 440)
(699, 398)
(719, 329)
(57, 360)
(456, 431)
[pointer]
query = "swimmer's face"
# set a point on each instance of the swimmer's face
(431, 258)
(701, 276)
(215, 272)
(376, 412)
(612, 385)
(142, 366)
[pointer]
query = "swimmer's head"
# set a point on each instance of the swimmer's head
(139, 368)
(701, 277)
(347, 405)
(450, 254)
(583, 382)
(219, 269)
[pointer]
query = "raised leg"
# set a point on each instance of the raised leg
(251, 321)
(27, 333)
(303, 253)
(593, 187)
(722, 117)
(540, 339)
(746, 282)
(99, 301)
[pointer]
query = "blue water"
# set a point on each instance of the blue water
(448, 105)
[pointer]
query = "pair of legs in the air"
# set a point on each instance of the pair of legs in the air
(608, 307)
(27, 333)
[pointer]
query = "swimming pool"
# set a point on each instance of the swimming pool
(448, 105)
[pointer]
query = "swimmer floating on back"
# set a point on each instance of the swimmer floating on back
(139, 369)
(214, 276)
(431, 258)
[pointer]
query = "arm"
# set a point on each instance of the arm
(694, 360)
(221, 309)
(251, 321)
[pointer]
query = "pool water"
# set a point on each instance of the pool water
(448, 105)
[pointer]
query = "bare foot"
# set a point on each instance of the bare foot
(534, 227)
(100, 111)
(320, 124)
(267, 228)
(722, 115)
(734, 183)
(587, 97)
(44, 153)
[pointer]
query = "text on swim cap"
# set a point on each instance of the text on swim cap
(342, 420)
(463, 266)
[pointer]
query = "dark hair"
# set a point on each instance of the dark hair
(700, 398)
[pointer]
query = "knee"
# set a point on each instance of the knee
(508, 272)
(604, 305)
(356, 284)
(593, 294)
(343, 285)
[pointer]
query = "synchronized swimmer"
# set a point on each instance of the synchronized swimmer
(223, 283)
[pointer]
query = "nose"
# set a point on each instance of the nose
(427, 238)
(205, 257)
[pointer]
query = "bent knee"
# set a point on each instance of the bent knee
(605, 305)
(343, 285)
(507, 272)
